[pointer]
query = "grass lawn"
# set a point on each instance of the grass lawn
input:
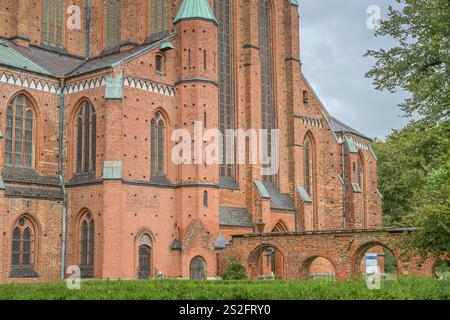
(403, 288)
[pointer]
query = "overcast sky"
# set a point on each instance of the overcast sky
(334, 37)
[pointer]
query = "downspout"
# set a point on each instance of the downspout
(61, 179)
(88, 28)
(344, 185)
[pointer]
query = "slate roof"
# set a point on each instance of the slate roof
(235, 217)
(340, 127)
(56, 64)
(278, 200)
(11, 58)
(28, 176)
(60, 65)
(34, 193)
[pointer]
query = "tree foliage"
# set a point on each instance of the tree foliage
(414, 178)
(234, 270)
(414, 163)
(419, 64)
(405, 161)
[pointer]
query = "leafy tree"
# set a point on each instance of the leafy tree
(234, 270)
(431, 214)
(405, 161)
(419, 64)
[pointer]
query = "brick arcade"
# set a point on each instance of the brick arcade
(86, 117)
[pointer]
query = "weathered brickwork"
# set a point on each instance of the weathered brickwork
(149, 218)
(338, 252)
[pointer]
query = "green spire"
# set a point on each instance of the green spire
(195, 9)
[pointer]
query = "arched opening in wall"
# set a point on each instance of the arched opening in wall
(198, 269)
(87, 244)
(20, 132)
(316, 268)
(441, 270)
(85, 133)
(376, 256)
(280, 227)
(267, 262)
(158, 145)
(145, 257)
(361, 176)
(160, 65)
(24, 249)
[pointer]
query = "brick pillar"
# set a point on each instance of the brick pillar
(112, 187)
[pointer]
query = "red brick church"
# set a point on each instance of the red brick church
(90, 94)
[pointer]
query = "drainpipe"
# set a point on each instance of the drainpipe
(344, 185)
(88, 28)
(61, 179)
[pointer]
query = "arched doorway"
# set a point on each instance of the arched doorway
(145, 257)
(144, 262)
(385, 258)
(198, 269)
(267, 261)
(316, 268)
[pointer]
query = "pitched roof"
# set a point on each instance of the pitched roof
(190, 9)
(60, 65)
(340, 127)
(54, 63)
(235, 217)
(12, 58)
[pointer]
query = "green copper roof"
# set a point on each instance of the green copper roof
(12, 58)
(166, 46)
(190, 9)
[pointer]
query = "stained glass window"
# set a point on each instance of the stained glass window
(112, 23)
(22, 244)
(86, 134)
(159, 16)
(87, 244)
(52, 22)
(308, 167)
(223, 10)
(158, 146)
(267, 105)
(19, 133)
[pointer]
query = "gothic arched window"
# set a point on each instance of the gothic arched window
(158, 146)
(308, 167)
(19, 145)
(267, 103)
(23, 249)
(159, 63)
(112, 19)
(86, 139)
(87, 246)
(360, 173)
(223, 10)
(159, 17)
(361, 178)
(52, 22)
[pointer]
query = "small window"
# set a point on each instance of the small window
(159, 63)
(205, 199)
(305, 97)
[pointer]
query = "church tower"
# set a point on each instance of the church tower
(197, 87)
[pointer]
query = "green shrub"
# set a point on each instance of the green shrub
(234, 270)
